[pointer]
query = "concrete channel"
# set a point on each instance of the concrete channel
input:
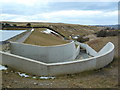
(53, 60)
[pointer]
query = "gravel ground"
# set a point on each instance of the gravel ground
(103, 78)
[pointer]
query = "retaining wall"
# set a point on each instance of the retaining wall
(48, 54)
(23, 64)
(104, 57)
(89, 50)
(96, 62)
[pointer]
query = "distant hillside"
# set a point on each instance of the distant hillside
(111, 26)
(65, 29)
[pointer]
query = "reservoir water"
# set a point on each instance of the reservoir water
(7, 34)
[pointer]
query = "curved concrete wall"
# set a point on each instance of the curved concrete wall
(89, 50)
(24, 64)
(101, 59)
(96, 62)
(48, 54)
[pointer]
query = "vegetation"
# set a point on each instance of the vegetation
(82, 39)
(14, 25)
(42, 39)
(64, 29)
(105, 33)
(28, 24)
(102, 33)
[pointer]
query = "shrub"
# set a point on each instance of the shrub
(102, 33)
(112, 33)
(14, 25)
(82, 39)
(28, 24)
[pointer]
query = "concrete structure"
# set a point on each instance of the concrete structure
(7, 34)
(47, 54)
(36, 67)
(5, 46)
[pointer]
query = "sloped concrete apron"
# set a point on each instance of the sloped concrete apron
(35, 67)
(4, 45)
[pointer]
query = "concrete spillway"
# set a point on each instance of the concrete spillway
(55, 63)
(54, 60)
(7, 34)
(12, 35)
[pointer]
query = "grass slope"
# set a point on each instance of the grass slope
(42, 39)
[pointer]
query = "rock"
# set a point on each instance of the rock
(15, 81)
(6, 72)
(11, 71)
(34, 77)
(111, 66)
(35, 83)
(8, 86)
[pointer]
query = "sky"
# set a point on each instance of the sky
(73, 12)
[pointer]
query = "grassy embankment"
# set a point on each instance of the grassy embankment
(65, 29)
(42, 39)
(38, 38)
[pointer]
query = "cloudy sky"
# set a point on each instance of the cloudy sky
(86, 13)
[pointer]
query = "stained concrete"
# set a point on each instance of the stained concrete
(47, 54)
(34, 67)
(22, 39)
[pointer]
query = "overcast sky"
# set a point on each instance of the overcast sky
(87, 13)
